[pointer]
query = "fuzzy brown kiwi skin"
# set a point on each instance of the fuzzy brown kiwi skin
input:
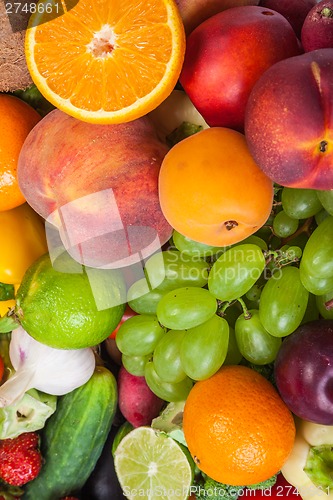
(14, 74)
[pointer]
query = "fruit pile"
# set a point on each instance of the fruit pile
(166, 271)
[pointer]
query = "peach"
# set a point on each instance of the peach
(289, 121)
(194, 12)
(225, 56)
(98, 185)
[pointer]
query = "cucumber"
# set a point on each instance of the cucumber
(73, 437)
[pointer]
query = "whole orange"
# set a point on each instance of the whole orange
(17, 119)
(237, 428)
(211, 190)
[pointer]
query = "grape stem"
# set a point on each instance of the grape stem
(223, 306)
(246, 312)
(329, 305)
(305, 228)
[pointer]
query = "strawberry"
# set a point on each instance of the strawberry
(20, 459)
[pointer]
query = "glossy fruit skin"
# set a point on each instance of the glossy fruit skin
(22, 241)
(245, 432)
(239, 197)
(236, 271)
(185, 308)
(166, 357)
(204, 348)
(220, 70)
(138, 404)
(169, 391)
(254, 342)
(303, 371)
(326, 199)
(283, 302)
(316, 269)
(139, 335)
(317, 29)
(172, 269)
(295, 92)
(300, 203)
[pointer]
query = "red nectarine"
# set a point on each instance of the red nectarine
(289, 121)
(225, 56)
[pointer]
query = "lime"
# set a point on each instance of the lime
(68, 306)
(150, 464)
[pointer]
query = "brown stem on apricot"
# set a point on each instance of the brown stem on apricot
(230, 224)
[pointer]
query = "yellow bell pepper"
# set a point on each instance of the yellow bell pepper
(309, 467)
(22, 241)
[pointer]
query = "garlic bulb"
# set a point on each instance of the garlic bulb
(38, 366)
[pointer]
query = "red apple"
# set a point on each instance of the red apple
(317, 30)
(289, 121)
(98, 185)
(293, 10)
(225, 56)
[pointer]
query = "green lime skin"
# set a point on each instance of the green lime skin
(68, 306)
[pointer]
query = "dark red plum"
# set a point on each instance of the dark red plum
(304, 371)
(317, 30)
(295, 11)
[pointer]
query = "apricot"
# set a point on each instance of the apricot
(211, 189)
(97, 185)
(289, 121)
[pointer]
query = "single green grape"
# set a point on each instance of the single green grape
(320, 216)
(254, 240)
(194, 248)
(204, 348)
(142, 299)
(283, 302)
(167, 391)
(325, 304)
(135, 364)
(317, 286)
(166, 357)
(234, 356)
(326, 199)
(294, 252)
(283, 225)
(172, 269)
(138, 336)
(254, 293)
(185, 308)
(317, 259)
(236, 271)
(254, 342)
(312, 311)
(300, 203)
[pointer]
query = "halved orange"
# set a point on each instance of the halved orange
(105, 61)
